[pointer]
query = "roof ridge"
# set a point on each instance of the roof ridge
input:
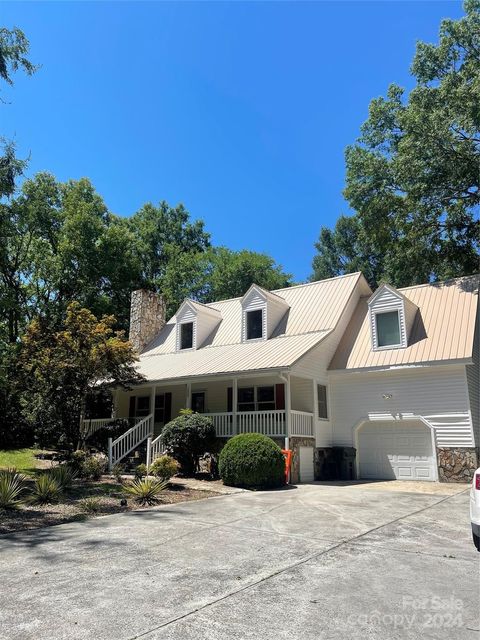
(439, 282)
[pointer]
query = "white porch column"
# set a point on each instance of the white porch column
(288, 408)
(188, 399)
(152, 403)
(234, 404)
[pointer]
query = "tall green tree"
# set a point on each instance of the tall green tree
(61, 367)
(413, 177)
(232, 272)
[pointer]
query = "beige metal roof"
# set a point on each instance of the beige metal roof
(313, 307)
(314, 311)
(443, 328)
(276, 353)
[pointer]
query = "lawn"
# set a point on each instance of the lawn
(21, 459)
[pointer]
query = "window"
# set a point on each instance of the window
(143, 406)
(388, 329)
(198, 401)
(255, 324)
(160, 408)
(322, 401)
(256, 398)
(186, 335)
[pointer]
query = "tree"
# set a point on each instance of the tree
(61, 368)
(232, 272)
(413, 176)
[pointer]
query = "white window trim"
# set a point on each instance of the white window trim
(194, 335)
(327, 400)
(263, 309)
(401, 328)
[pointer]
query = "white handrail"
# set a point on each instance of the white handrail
(128, 441)
(301, 423)
(270, 423)
(223, 423)
(155, 450)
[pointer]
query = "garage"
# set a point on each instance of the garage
(395, 451)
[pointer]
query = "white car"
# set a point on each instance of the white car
(475, 508)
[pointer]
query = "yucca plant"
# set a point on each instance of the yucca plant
(45, 490)
(90, 504)
(64, 474)
(12, 485)
(146, 491)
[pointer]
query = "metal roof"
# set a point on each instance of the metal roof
(315, 310)
(443, 329)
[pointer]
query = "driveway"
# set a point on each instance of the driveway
(310, 562)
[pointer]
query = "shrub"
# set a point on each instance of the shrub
(99, 439)
(187, 438)
(76, 460)
(252, 460)
(146, 491)
(64, 474)
(45, 490)
(140, 471)
(90, 505)
(164, 467)
(93, 467)
(117, 471)
(12, 485)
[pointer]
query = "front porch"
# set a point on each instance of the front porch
(281, 407)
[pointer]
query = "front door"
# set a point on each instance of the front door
(198, 401)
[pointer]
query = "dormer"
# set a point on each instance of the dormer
(391, 317)
(194, 323)
(261, 313)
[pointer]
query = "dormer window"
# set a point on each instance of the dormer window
(254, 321)
(186, 335)
(392, 316)
(388, 329)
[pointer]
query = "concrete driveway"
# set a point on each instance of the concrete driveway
(315, 561)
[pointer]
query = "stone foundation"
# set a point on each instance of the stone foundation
(456, 464)
(294, 444)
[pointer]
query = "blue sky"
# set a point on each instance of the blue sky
(240, 110)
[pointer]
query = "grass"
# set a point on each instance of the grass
(21, 459)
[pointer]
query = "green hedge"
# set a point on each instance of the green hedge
(252, 460)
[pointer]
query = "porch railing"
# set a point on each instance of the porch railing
(89, 426)
(155, 449)
(270, 423)
(128, 441)
(301, 423)
(223, 423)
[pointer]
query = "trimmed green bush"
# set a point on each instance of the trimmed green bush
(164, 467)
(187, 438)
(252, 461)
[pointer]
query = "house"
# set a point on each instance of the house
(387, 381)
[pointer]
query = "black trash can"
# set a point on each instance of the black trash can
(345, 462)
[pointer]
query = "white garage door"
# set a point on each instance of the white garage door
(396, 451)
(306, 464)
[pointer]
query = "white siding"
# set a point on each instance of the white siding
(187, 314)
(302, 394)
(473, 382)
(314, 365)
(437, 394)
(252, 302)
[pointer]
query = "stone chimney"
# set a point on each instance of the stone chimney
(147, 317)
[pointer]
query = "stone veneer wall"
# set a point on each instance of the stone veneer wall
(456, 464)
(295, 444)
(147, 317)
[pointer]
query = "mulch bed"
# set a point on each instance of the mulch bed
(70, 509)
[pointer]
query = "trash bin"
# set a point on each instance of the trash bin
(345, 462)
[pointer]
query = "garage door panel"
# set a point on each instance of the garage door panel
(389, 451)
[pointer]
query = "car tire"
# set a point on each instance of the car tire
(476, 541)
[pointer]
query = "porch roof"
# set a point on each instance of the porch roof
(276, 353)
